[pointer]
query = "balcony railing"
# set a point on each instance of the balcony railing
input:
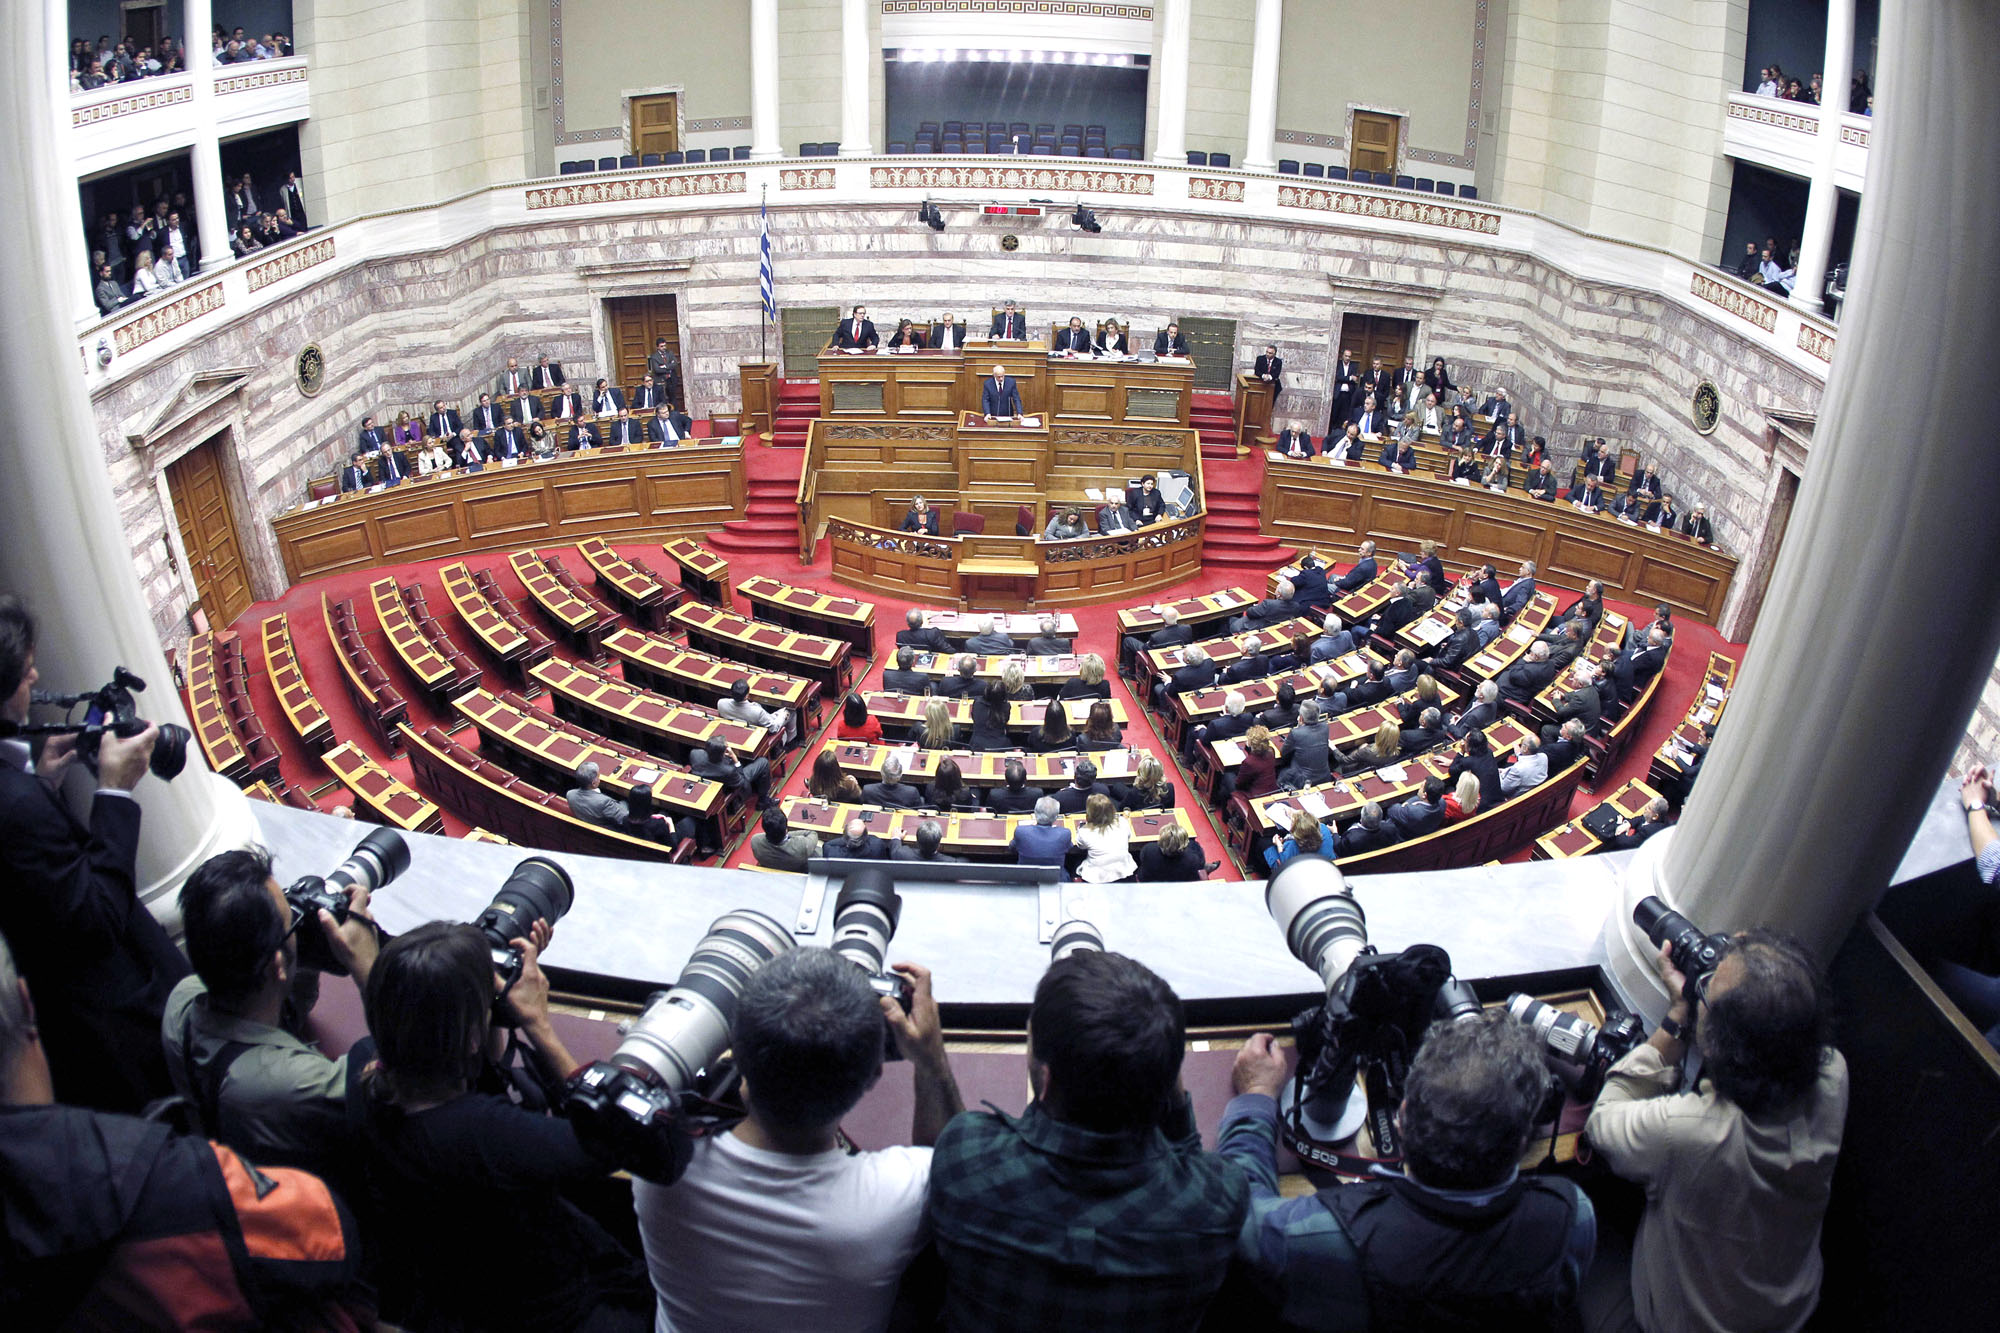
(130, 122)
(1781, 135)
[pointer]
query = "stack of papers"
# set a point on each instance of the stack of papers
(1280, 813)
(1229, 752)
(1520, 634)
(1315, 804)
(1394, 773)
(1715, 694)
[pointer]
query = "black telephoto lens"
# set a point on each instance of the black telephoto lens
(170, 751)
(1456, 1001)
(537, 890)
(375, 860)
(1694, 953)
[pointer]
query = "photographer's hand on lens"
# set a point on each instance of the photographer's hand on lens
(355, 942)
(528, 998)
(1260, 1067)
(122, 760)
(919, 1033)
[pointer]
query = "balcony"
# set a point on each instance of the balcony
(1769, 132)
(131, 122)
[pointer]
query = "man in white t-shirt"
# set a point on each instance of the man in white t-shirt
(774, 1225)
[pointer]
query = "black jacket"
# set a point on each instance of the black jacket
(923, 640)
(906, 682)
(1004, 802)
(1071, 799)
(1488, 770)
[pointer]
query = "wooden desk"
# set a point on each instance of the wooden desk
(987, 836)
(812, 612)
(633, 494)
(998, 579)
(1229, 648)
(574, 619)
(727, 634)
(894, 384)
(1013, 573)
(424, 663)
(962, 625)
(1573, 839)
(1194, 612)
(704, 574)
(984, 769)
(1186, 711)
(624, 711)
(514, 646)
(214, 729)
(637, 589)
(906, 711)
(295, 696)
(379, 798)
(1310, 502)
(1047, 674)
(1704, 711)
(1512, 642)
(666, 667)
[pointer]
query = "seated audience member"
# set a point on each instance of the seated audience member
(938, 732)
(1284, 709)
(1074, 340)
(107, 293)
(1426, 733)
(1632, 832)
(904, 678)
(1307, 757)
(1524, 680)
(855, 842)
(1369, 832)
(1257, 775)
(1251, 664)
(234, 1041)
(915, 635)
(857, 723)
(991, 640)
(1108, 1144)
(1457, 1238)
(1349, 448)
(963, 682)
(723, 767)
(1462, 802)
(1048, 640)
(1115, 518)
(1487, 626)
(588, 801)
(1065, 525)
(1106, 840)
(1172, 858)
(775, 1224)
(920, 518)
(1528, 769)
(116, 1222)
(924, 845)
(100, 964)
(1405, 670)
(1148, 789)
(584, 435)
(738, 706)
(1295, 443)
(1697, 526)
(907, 335)
(1273, 610)
(892, 792)
(947, 790)
(1462, 643)
(472, 451)
(354, 476)
(1089, 682)
(1000, 396)
(1170, 634)
(1083, 785)
(1016, 797)
(1360, 573)
(454, 1170)
(1422, 813)
(1196, 672)
(1566, 748)
(992, 715)
(1582, 702)
(1334, 641)
(777, 846)
(1100, 729)
(1044, 842)
(643, 821)
(1755, 1140)
(1307, 837)
(1170, 341)
(1482, 713)
(1478, 760)
(1234, 720)
(668, 426)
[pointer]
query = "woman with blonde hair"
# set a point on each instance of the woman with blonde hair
(1425, 695)
(1462, 802)
(1090, 682)
(1307, 838)
(1015, 679)
(1173, 858)
(938, 732)
(1106, 840)
(1148, 790)
(1388, 743)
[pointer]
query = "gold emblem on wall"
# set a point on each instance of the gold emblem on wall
(310, 369)
(1010, 243)
(1707, 407)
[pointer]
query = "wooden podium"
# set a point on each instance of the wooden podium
(1254, 401)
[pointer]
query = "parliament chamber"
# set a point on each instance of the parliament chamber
(884, 592)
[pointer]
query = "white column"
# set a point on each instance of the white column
(854, 60)
(79, 281)
(1823, 200)
(764, 80)
(1260, 153)
(1176, 19)
(64, 546)
(1870, 652)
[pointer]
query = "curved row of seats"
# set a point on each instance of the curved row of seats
(232, 740)
(380, 704)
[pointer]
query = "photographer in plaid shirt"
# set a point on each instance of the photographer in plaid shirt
(1096, 1208)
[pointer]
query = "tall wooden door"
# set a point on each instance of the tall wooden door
(656, 123)
(637, 322)
(1370, 336)
(1373, 147)
(208, 531)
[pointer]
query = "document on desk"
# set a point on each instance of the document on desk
(1315, 804)
(1031, 423)
(1229, 752)
(1280, 814)
(1394, 773)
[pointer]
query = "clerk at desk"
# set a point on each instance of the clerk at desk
(1001, 396)
(1075, 338)
(1170, 341)
(856, 331)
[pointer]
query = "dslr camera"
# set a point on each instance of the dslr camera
(1695, 954)
(112, 708)
(1577, 1043)
(375, 860)
(535, 890)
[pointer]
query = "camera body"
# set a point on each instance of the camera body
(375, 861)
(1576, 1042)
(1696, 955)
(112, 708)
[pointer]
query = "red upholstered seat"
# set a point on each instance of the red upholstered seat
(963, 522)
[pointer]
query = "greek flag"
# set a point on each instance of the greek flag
(764, 263)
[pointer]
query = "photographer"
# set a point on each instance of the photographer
(234, 1043)
(465, 1188)
(101, 965)
(1096, 1208)
(1457, 1238)
(775, 1224)
(1738, 1169)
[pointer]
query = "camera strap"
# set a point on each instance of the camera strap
(205, 1080)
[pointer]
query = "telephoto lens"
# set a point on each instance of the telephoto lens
(1074, 936)
(170, 752)
(1695, 954)
(1564, 1035)
(535, 890)
(1456, 1002)
(375, 860)
(1322, 923)
(864, 919)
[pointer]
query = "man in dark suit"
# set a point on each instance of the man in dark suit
(1586, 495)
(393, 468)
(486, 418)
(443, 422)
(1346, 391)
(1009, 323)
(753, 777)
(1566, 749)
(1275, 609)
(548, 374)
(1697, 526)
(99, 966)
(1252, 664)
(1170, 341)
(1170, 634)
(568, 404)
(513, 379)
(855, 843)
(1422, 813)
(1526, 679)
(1629, 506)
(1631, 832)
(1075, 339)
(667, 427)
(1483, 713)
(1048, 640)
(990, 640)
(1378, 382)
(1295, 444)
(1307, 757)
(947, 335)
(1363, 571)
(1001, 397)
(354, 477)
(1083, 785)
(1505, 437)
(1496, 405)
(1428, 733)
(1017, 797)
(1647, 484)
(526, 407)
(1478, 759)
(370, 437)
(917, 637)
(1582, 703)
(583, 435)
(1542, 483)
(963, 682)
(1516, 594)
(509, 442)
(1310, 592)
(904, 678)
(605, 400)
(1457, 435)
(1371, 831)
(1196, 672)
(856, 331)
(470, 451)
(1371, 419)
(1270, 367)
(1347, 447)
(1115, 518)
(625, 430)
(892, 792)
(1599, 464)
(1485, 586)
(1566, 641)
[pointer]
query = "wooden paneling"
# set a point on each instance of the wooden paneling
(1084, 402)
(208, 531)
(1317, 505)
(642, 495)
(926, 569)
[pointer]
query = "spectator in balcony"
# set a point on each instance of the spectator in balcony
(292, 201)
(284, 44)
(1860, 97)
(147, 64)
(1775, 279)
(1793, 92)
(1767, 83)
(108, 293)
(145, 280)
(79, 54)
(1814, 93)
(242, 243)
(172, 59)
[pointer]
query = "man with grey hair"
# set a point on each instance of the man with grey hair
(892, 792)
(1251, 664)
(1487, 625)
(1516, 594)
(916, 635)
(1273, 610)
(1362, 572)
(1483, 713)
(1048, 641)
(1334, 641)
(586, 801)
(1529, 769)
(992, 640)
(774, 1224)
(1524, 680)
(904, 678)
(855, 843)
(1044, 842)
(738, 706)
(1369, 832)
(929, 837)
(1567, 747)
(1458, 1238)
(1307, 758)
(963, 683)
(1196, 672)
(1581, 702)
(1170, 634)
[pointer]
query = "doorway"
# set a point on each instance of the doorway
(1373, 145)
(208, 531)
(637, 323)
(1782, 497)
(1370, 336)
(144, 23)
(656, 124)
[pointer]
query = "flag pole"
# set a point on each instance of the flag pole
(763, 259)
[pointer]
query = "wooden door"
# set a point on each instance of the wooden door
(637, 322)
(656, 123)
(1374, 144)
(208, 531)
(1371, 336)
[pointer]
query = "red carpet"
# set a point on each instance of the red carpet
(765, 544)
